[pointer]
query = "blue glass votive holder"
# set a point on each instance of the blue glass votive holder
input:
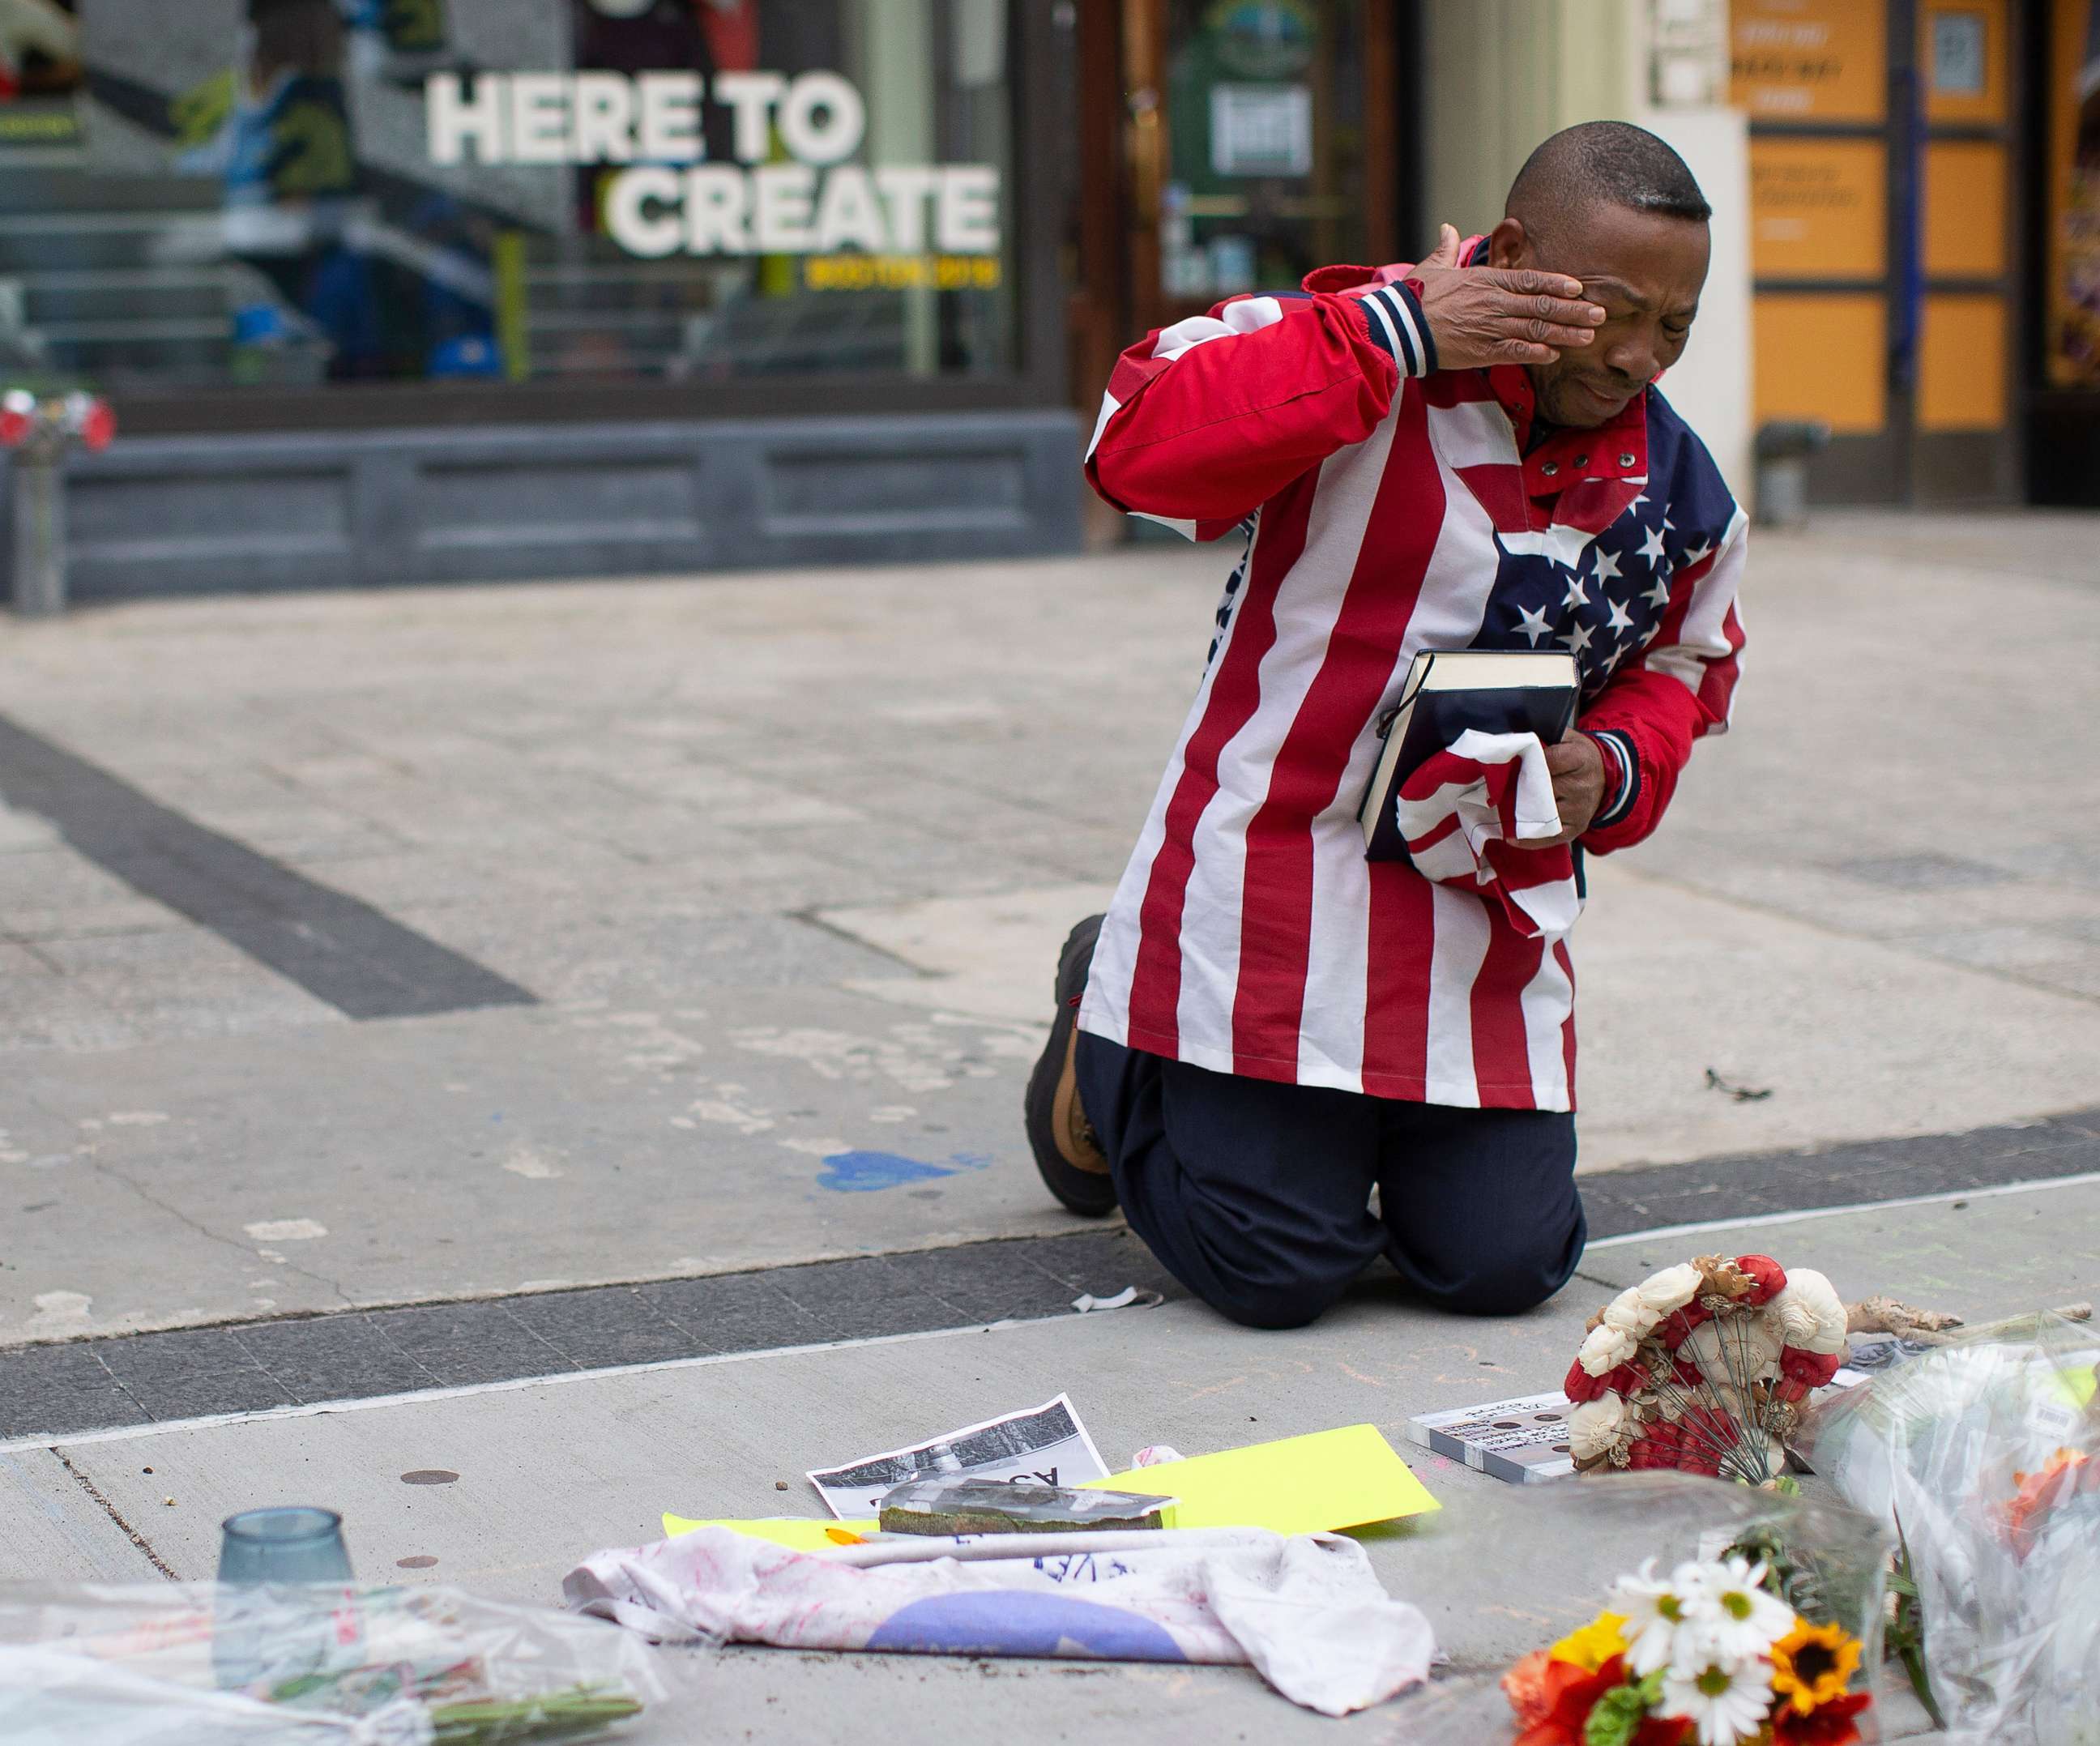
(270, 1626)
(296, 1543)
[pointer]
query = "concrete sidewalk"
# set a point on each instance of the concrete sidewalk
(704, 927)
(548, 1471)
(781, 861)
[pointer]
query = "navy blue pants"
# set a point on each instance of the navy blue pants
(1256, 1196)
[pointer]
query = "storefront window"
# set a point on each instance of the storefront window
(2073, 345)
(1266, 173)
(306, 192)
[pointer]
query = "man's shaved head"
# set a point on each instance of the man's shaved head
(1610, 205)
(1612, 162)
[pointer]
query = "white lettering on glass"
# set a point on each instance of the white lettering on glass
(627, 215)
(670, 131)
(453, 119)
(791, 190)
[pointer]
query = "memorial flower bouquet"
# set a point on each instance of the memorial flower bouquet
(90, 1665)
(1714, 1653)
(1704, 1367)
(1984, 1454)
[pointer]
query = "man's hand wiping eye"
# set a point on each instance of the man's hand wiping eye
(1483, 315)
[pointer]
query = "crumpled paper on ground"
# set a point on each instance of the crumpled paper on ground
(1305, 1610)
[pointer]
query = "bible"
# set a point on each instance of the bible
(1496, 690)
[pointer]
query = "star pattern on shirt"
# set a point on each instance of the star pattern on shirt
(1607, 603)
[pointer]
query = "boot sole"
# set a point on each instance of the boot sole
(1090, 1194)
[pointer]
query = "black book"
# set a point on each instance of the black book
(1496, 691)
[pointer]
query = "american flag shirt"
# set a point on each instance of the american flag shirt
(1385, 507)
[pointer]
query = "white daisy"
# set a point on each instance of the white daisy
(1656, 1612)
(1731, 1616)
(1726, 1700)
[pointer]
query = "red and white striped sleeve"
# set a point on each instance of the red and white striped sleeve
(1205, 420)
(1680, 688)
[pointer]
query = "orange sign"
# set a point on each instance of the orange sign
(1818, 208)
(1823, 357)
(1809, 60)
(1964, 209)
(1961, 364)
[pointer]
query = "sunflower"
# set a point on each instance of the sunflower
(1812, 1664)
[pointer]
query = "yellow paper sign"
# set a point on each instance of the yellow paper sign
(1315, 1484)
(1320, 1483)
(798, 1533)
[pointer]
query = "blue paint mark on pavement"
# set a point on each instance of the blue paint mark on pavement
(863, 1172)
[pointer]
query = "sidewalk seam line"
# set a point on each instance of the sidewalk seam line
(1795, 1215)
(110, 1510)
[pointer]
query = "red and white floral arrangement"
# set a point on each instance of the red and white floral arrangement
(1703, 1368)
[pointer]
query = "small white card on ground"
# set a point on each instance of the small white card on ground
(1045, 1445)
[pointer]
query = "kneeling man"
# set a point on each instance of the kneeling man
(1470, 453)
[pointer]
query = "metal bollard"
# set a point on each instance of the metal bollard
(39, 432)
(40, 576)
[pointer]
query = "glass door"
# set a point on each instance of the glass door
(1261, 142)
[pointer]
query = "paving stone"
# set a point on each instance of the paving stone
(1103, 1263)
(845, 1297)
(597, 1329)
(28, 1411)
(988, 1281)
(735, 1312)
(1617, 1201)
(333, 1358)
(464, 1344)
(187, 1374)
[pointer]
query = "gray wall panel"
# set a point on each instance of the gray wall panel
(544, 502)
(193, 514)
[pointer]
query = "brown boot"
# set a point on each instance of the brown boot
(1067, 1151)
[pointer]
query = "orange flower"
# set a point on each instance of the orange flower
(1569, 1695)
(2041, 1492)
(1553, 1700)
(1524, 1685)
